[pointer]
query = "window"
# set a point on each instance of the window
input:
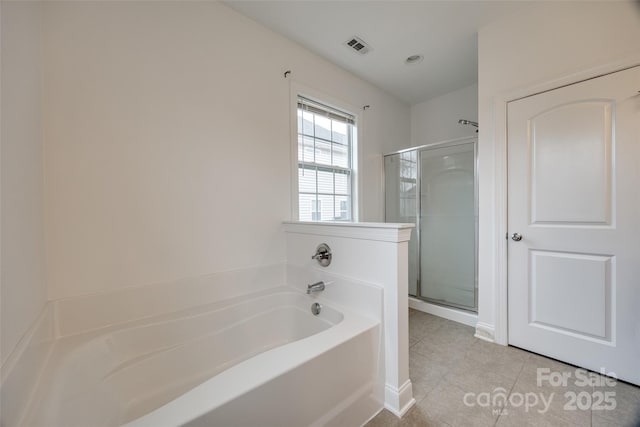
(344, 210)
(325, 162)
(316, 209)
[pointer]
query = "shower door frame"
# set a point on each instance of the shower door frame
(418, 150)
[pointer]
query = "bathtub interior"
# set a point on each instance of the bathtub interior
(119, 373)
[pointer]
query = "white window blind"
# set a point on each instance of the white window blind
(325, 163)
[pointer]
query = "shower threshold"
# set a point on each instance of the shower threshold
(463, 316)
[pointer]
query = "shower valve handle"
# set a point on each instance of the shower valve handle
(323, 254)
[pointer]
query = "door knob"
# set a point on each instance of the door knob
(516, 237)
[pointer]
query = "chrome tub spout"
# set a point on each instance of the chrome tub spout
(316, 287)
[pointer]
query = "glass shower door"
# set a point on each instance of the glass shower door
(448, 225)
(401, 205)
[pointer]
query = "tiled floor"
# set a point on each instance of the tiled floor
(459, 380)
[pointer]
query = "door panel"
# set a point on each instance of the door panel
(584, 195)
(447, 225)
(573, 194)
(556, 277)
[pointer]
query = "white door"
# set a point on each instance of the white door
(574, 199)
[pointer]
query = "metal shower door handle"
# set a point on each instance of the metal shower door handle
(516, 237)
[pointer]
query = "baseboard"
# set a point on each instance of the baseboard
(399, 400)
(460, 316)
(486, 332)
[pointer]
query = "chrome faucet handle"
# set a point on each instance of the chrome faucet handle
(323, 254)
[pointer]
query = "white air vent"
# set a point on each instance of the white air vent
(357, 44)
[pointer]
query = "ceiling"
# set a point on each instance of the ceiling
(444, 32)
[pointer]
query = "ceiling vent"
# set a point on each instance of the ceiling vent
(357, 44)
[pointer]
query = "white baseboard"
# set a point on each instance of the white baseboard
(460, 316)
(398, 401)
(486, 332)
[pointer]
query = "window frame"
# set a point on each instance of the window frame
(297, 91)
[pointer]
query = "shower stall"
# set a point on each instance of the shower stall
(435, 187)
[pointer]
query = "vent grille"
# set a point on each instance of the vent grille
(357, 44)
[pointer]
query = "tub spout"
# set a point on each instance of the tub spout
(316, 287)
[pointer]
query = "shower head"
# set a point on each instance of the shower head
(467, 122)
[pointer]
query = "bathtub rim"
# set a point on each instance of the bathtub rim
(350, 324)
(250, 374)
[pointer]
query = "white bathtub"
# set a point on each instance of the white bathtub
(258, 360)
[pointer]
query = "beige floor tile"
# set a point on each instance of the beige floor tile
(559, 398)
(486, 352)
(446, 405)
(448, 356)
(413, 340)
(489, 357)
(549, 372)
(425, 374)
(446, 344)
(446, 362)
(519, 417)
(421, 417)
(416, 417)
(515, 353)
(420, 327)
(453, 333)
(477, 380)
(627, 405)
(384, 419)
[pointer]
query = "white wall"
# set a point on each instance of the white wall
(526, 50)
(167, 151)
(23, 285)
(436, 120)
